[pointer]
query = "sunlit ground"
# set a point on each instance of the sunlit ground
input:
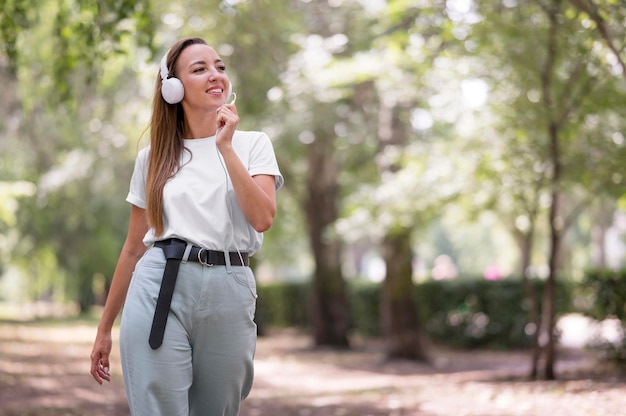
(44, 371)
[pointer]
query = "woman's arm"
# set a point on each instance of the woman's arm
(256, 195)
(131, 252)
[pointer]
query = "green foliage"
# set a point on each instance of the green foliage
(465, 313)
(14, 18)
(60, 135)
(283, 304)
(473, 313)
(364, 298)
(603, 296)
(74, 37)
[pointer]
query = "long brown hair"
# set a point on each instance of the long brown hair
(166, 141)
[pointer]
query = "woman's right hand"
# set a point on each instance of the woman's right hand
(100, 357)
(132, 251)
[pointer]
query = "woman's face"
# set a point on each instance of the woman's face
(203, 75)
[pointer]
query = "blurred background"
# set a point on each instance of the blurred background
(454, 169)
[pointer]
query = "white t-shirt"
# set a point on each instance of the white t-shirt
(199, 203)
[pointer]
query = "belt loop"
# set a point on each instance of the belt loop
(229, 269)
(186, 253)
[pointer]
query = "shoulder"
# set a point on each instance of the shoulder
(252, 138)
(250, 135)
(143, 154)
(251, 141)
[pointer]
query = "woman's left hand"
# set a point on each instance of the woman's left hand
(227, 121)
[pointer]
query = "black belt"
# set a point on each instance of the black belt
(174, 250)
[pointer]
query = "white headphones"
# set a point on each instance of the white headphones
(172, 88)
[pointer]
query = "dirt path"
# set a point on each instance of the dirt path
(44, 372)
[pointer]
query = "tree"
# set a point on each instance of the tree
(562, 84)
(403, 23)
(69, 231)
(399, 318)
(309, 87)
(96, 95)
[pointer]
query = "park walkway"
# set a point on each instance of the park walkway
(44, 372)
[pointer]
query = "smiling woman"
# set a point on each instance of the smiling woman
(201, 196)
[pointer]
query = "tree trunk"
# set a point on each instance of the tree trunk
(556, 230)
(399, 314)
(556, 223)
(329, 306)
(329, 309)
(549, 297)
(526, 242)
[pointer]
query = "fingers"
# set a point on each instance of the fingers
(100, 373)
(227, 108)
(100, 368)
(103, 372)
(227, 114)
(100, 357)
(227, 117)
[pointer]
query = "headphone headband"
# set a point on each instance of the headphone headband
(164, 70)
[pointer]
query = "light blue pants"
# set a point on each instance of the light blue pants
(204, 367)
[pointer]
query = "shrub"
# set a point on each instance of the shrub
(603, 296)
(465, 313)
(472, 313)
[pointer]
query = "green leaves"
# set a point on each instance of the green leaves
(16, 16)
(69, 40)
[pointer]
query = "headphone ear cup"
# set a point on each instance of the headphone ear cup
(172, 90)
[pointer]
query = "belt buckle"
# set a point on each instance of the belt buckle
(204, 263)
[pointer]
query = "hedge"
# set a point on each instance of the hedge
(602, 295)
(467, 313)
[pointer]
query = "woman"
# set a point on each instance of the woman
(202, 194)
